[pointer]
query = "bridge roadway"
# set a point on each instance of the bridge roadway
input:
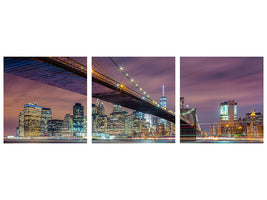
(68, 73)
(126, 97)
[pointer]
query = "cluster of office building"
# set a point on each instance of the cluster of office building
(251, 125)
(120, 122)
(37, 121)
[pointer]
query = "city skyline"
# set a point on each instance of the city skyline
(19, 91)
(208, 81)
(146, 85)
(128, 124)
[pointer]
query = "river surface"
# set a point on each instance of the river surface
(132, 141)
(43, 141)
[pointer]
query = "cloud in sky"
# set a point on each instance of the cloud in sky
(208, 81)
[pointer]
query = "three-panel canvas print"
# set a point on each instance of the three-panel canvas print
(133, 100)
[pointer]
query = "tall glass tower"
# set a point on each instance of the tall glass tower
(78, 119)
(46, 115)
(163, 99)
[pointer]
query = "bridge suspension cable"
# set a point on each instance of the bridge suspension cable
(131, 80)
(101, 69)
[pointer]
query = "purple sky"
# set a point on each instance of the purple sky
(149, 72)
(208, 81)
(20, 91)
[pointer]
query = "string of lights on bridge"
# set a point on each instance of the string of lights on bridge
(145, 95)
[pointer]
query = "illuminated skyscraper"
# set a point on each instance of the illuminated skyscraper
(117, 108)
(21, 124)
(116, 122)
(138, 114)
(78, 119)
(228, 111)
(161, 129)
(94, 109)
(67, 126)
(228, 118)
(132, 124)
(55, 127)
(148, 119)
(85, 126)
(163, 103)
(102, 109)
(99, 119)
(163, 99)
(46, 115)
(252, 125)
(181, 103)
(32, 120)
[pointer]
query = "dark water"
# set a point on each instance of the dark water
(131, 141)
(43, 141)
(222, 142)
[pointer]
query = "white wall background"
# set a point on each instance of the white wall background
(132, 28)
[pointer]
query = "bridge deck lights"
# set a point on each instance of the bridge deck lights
(136, 85)
(141, 89)
(132, 80)
(118, 85)
(121, 68)
(126, 74)
(121, 86)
